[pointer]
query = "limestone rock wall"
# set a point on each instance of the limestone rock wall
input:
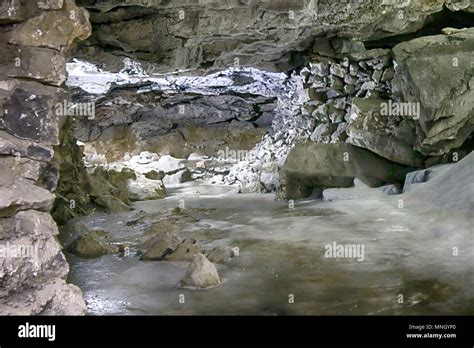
(126, 121)
(268, 34)
(438, 73)
(410, 104)
(347, 83)
(35, 37)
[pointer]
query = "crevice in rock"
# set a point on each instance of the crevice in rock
(433, 25)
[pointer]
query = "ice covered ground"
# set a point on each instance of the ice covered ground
(418, 253)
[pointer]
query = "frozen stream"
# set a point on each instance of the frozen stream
(408, 251)
(418, 256)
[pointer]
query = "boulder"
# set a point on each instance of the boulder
(155, 175)
(221, 254)
(92, 244)
(201, 274)
(185, 251)
(389, 136)
(312, 167)
(159, 246)
(112, 204)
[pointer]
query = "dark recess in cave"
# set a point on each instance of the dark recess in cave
(433, 26)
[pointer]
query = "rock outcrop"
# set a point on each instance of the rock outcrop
(80, 192)
(438, 73)
(194, 120)
(312, 167)
(267, 34)
(376, 99)
(35, 36)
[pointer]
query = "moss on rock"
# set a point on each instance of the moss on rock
(81, 193)
(92, 244)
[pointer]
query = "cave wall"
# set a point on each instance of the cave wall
(269, 34)
(200, 37)
(276, 35)
(35, 39)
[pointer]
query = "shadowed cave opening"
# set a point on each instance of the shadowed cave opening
(433, 25)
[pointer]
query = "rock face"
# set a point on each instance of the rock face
(350, 97)
(388, 136)
(175, 125)
(35, 36)
(376, 99)
(267, 34)
(312, 167)
(446, 94)
(201, 274)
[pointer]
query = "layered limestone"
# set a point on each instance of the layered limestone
(438, 73)
(35, 38)
(269, 34)
(341, 91)
(310, 168)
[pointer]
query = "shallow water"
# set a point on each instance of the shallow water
(407, 251)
